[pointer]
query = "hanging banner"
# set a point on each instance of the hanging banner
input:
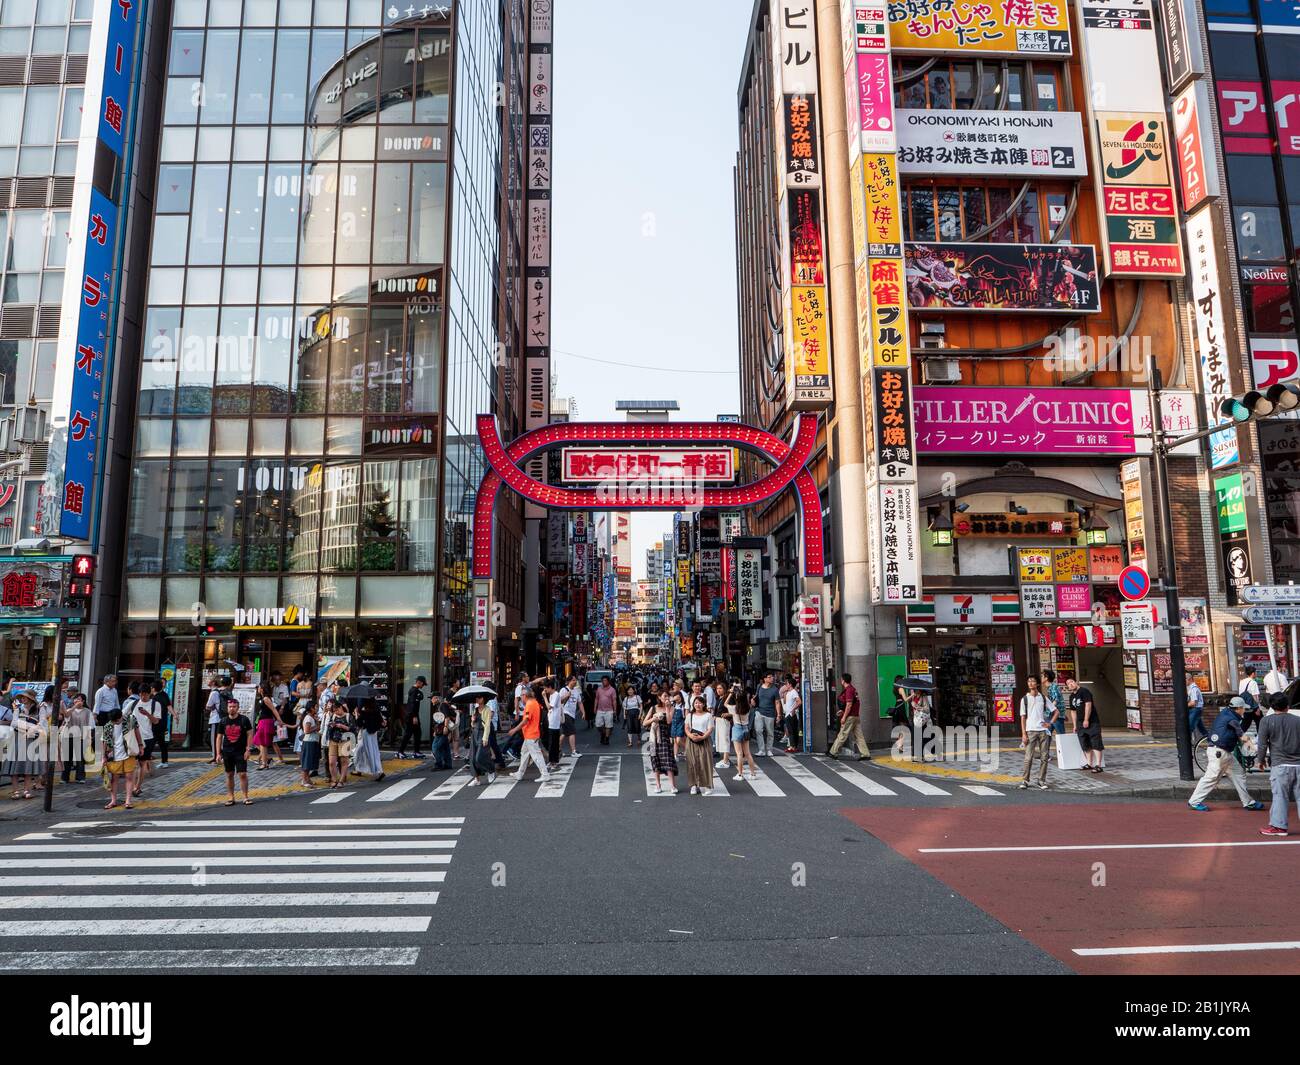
(1211, 333)
(1041, 278)
(900, 544)
(749, 584)
(808, 368)
(1040, 144)
(880, 183)
(1197, 181)
(1015, 28)
(895, 455)
(802, 168)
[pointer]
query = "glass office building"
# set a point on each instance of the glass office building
(323, 320)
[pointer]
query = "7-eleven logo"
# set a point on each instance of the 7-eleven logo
(963, 606)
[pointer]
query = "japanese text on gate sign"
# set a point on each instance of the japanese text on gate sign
(685, 464)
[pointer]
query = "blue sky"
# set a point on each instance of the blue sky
(644, 249)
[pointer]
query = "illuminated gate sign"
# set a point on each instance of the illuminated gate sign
(685, 464)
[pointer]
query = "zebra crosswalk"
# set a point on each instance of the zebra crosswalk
(285, 888)
(615, 776)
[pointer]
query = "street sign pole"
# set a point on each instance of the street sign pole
(1168, 575)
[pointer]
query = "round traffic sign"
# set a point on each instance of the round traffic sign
(1134, 583)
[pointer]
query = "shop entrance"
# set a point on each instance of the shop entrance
(978, 673)
(27, 651)
(263, 656)
(1101, 671)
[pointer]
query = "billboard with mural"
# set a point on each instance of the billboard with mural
(1042, 278)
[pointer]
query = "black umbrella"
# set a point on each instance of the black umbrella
(915, 684)
(358, 693)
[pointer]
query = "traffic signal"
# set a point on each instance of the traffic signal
(81, 582)
(1276, 399)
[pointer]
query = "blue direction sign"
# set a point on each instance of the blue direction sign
(1271, 615)
(1271, 593)
(1134, 583)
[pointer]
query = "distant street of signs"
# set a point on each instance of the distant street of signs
(1134, 583)
(1271, 593)
(1272, 615)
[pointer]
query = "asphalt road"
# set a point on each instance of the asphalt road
(819, 868)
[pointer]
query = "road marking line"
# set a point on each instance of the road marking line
(187, 960)
(1186, 948)
(605, 784)
(451, 785)
(240, 822)
(395, 792)
(764, 786)
(980, 789)
(855, 777)
(500, 788)
(218, 835)
(297, 898)
(216, 926)
(811, 782)
(241, 845)
(210, 861)
(370, 876)
(923, 786)
(718, 788)
(333, 796)
(554, 788)
(1112, 847)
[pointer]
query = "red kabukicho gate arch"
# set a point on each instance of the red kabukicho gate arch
(790, 463)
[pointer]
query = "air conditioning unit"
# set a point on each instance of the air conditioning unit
(940, 371)
(932, 336)
(29, 425)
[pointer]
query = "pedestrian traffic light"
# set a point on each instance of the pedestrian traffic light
(81, 581)
(1276, 399)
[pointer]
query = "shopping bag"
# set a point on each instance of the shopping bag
(1069, 755)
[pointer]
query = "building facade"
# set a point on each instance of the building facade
(320, 285)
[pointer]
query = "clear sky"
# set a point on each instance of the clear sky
(644, 248)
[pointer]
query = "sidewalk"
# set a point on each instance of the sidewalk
(188, 782)
(1136, 765)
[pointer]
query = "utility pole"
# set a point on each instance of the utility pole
(1169, 574)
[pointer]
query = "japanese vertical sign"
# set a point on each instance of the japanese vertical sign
(1211, 332)
(1130, 147)
(749, 584)
(79, 394)
(807, 333)
(537, 339)
(883, 339)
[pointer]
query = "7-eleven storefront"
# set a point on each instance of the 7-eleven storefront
(975, 649)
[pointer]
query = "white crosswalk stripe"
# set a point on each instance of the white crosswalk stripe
(363, 877)
(334, 796)
(923, 786)
(810, 781)
(554, 788)
(764, 786)
(605, 783)
(980, 789)
(396, 791)
(653, 790)
(449, 787)
(858, 780)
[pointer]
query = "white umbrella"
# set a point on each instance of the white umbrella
(471, 692)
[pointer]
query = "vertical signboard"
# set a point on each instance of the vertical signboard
(1211, 332)
(880, 277)
(1197, 181)
(807, 333)
(537, 341)
(1130, 141)
(85, 350)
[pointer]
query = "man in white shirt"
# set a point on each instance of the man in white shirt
(1248, 689)
(521, 692)
(554, 722)
(571, 706)
(279, 691)
(148, 714)
(106, 699)
(791, 714)
(1035, 734)
(1276, 680)
(710, 697)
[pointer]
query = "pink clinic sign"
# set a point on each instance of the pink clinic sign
(1049, 421)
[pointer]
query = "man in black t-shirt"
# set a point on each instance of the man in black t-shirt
(164, 700)
(1087, 724)
(235, 729)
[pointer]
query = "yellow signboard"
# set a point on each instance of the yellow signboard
(1035, 564)
(889, 341)
(882, 204)
(1071, 564)
(1011, 27)
(808, 372)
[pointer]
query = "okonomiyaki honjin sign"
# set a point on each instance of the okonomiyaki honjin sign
(1049, 421)
(1052, 278)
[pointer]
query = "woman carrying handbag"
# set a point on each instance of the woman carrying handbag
(121, 748)
(699, 758)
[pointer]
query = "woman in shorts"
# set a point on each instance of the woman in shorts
(632, 714)
(341, 740)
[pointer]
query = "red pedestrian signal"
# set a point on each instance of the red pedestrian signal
(81, 581)
(83, 567)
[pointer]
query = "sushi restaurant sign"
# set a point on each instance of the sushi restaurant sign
(290, 618)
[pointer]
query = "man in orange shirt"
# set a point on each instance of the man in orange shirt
(532, 729)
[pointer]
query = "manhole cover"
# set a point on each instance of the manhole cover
(97, 830)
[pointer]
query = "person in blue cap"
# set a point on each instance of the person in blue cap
(1224, 736)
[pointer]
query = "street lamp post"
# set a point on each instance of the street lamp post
(1169, 573)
